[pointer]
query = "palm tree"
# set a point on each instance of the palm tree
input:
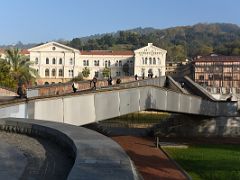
(21, 69)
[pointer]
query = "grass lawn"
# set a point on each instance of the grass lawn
(215, 162)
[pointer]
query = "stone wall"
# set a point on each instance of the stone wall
(6, 92)
(57, 89)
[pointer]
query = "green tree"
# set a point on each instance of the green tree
(106, 72)
(76, 43)
(85, 72)
(6, 80)
(20, 67)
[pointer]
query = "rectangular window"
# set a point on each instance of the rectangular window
(85, 63)
(71, 61)
(96, 63)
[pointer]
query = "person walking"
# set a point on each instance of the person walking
(109, 81)
(94, 80)
(20, 91)
(136, 77)
(74, 87)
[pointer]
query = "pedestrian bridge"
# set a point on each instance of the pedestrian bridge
(92, 106)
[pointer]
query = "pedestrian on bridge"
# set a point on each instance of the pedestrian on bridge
(74, 87)
(136, 77)
(109, 81)
(94, 80)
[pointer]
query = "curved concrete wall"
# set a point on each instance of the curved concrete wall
(96, 156)
(80, 109)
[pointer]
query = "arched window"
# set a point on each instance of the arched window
(53, 61)
(47, 61)
(146, 60)
(46, 72)
(116, 64)
(150, 60)
(120, 63)
(154, 60)
(60, 72)
(53, 72)
(109, 63)
(142, 60)
(46, 83)
(106, 63)
(36, 60)
(60, 61)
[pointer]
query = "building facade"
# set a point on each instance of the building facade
(150, 60)
(178, 69)
(57, 63)
(220, 74)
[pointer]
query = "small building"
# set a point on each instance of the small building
(217, 73)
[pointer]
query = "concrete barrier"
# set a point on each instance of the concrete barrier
(96, 156)
(80, 109)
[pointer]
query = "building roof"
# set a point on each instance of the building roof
(21, 51)
(53, 43)
(217, 58)
(107, 52)
(24, 52)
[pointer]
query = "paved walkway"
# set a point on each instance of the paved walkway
(23, 157)
(151, 162)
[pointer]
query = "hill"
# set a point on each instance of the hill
(181, 42)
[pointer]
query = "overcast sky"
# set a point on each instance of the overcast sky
(35, 21)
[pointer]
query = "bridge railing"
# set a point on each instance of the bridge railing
(59, 89)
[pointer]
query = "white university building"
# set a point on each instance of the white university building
(56, 63)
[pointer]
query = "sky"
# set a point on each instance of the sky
(35, 21)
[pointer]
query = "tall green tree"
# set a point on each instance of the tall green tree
(106, 72)
(20, 67)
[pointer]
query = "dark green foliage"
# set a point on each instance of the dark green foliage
(85, 72)
(180, 42)
(6, 80)
(106, 72)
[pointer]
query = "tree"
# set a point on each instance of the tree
(6, 79)
(106, 72)
(20, 67)
(85, 72)
(76, 43)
